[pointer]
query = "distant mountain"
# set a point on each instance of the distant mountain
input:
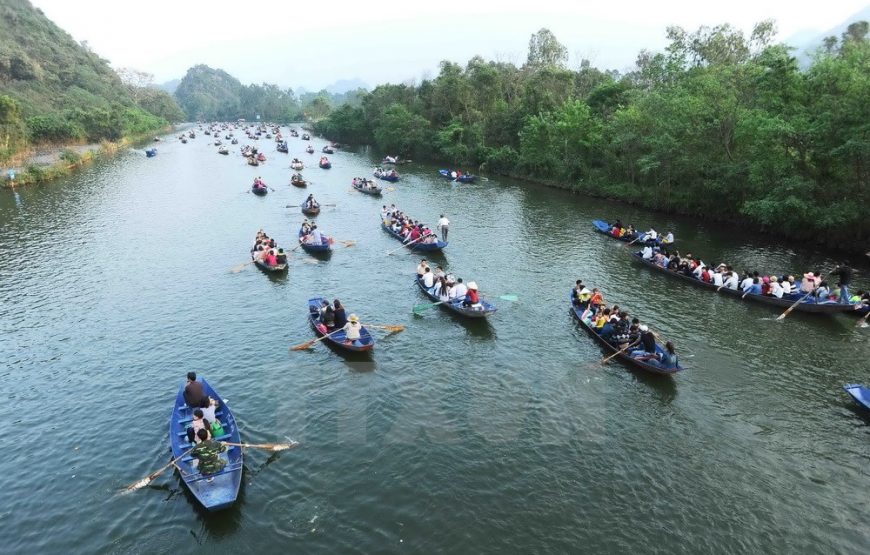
(807, 41)
(169, 86)
(346, 85)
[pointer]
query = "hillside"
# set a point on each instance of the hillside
(206, 93)
(53, 89)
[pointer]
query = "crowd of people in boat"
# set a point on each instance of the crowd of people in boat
(334, 317)
(619, 330)
(310, 203)
(364, 183)
(411, 231)
(267, 251)
(384, 173)
(311, 235)
(752, 283)
(629, 232)
(259, 183)
(447, 287)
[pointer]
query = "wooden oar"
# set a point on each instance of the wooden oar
(302, 205)
(603, 362)
(150, 478)
(308, 344)
(797, 302)
(266, 446)
(393, 329)
(421, 307)
(240, 267)
(408, 244)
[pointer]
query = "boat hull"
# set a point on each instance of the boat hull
(456, 306)
(421, 247)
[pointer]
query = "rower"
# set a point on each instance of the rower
(352, 329)
(193, 391)
(422, 267)
(428, 278)
(340, 314)
(471, 296)
(207, 454)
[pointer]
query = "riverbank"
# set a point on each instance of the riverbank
(47, 163)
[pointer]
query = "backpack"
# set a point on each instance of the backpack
(217, 429)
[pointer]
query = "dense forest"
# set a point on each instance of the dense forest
(210, 94)
(55, 90)
(719, 124)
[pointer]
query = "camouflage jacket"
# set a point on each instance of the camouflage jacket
(208, 453)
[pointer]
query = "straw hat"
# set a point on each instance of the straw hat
(353, 318)
(644, 327)
(472, 285)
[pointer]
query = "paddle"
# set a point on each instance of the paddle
(408, 244)
(308, 344)
(508, 297)
(266, 446)
(240, 267)
(302, 205)
(426, 306)
(150, 478)
(797, 302)
(393, 329)
(627, 347)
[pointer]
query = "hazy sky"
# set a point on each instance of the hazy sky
(312, 44)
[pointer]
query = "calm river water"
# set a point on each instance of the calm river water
(505, 436)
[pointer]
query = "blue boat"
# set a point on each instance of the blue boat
(151, 152)
(325, 164)
(311, 248)
(605, 228)
(468, 178)
(860, 393)
(806, 304)
(455, 305)
(386, 176)
(624, 356)
(423, 247)
(365, 342)
(222, 490)
(282, 147)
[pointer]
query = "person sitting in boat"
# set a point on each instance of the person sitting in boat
(315, 237)
(659, 259)
(775, 289)
(352, 329)
(339, 314)
(822, 292)
(810, 282)
(472, 298)
(596, 299)
(311, 203)
(666, 359)
(754, 288)
(575, 292)
(193, 391)
(271, 257)
(622, 331)
(442, 289)
(327, 315)
(281, 257)
(428, 278)
(669, 238)
(207, 454)
(606, 329)
(647, 252)
(422, 267)
(459, 290)
(198, 423)
(647, 341)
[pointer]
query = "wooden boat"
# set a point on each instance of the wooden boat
(260, 191)
(359, 185)
(223, 489)
(327, 150)
(296, 165)
(365, 342)
(297, 181)
(860, 393)
(311, 211)
(466, 178)
(277, 269)
(324, 163)
(605, 229)
(310, 149)
(282, 147)
(423, 247)
(386, 176)
(808, 305)
(324, 246)
(253, 161)
(224, 150)
(306, 137)
(626, 357)
(456, 305)
(261, 157)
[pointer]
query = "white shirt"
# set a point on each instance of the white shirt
(786, 287)
(669, 238)
(651, 234)
(717, 278)
(443, 222)
(421, 269)
(698, 271)
(351, 331)
(776, 289)
(647, 252)
(428, 279)
(459, 291)
(315, 237)
(746, 283)
(208, 413)
(731, 282)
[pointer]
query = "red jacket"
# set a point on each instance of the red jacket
(472, 297)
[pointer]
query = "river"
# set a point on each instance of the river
(481, 437)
